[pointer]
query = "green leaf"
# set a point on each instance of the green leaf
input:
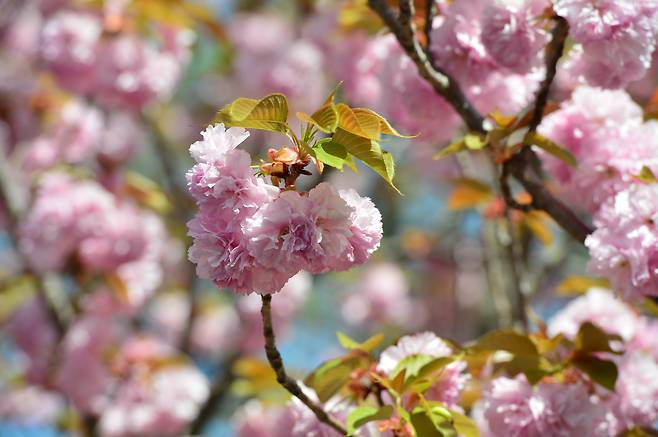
(451, 149)
(433, 419)
(368, 151)
(366, 346)
(474, 142)
(270, 113)
(646, 175)
(362, 415)
(332, 375)
(464, 425)
(551, 147)
(639, 432)
(412, 364)
(603, 372)
(376, 124)
(525, 356)
(331, 154)
(325, 118)
(591, 338)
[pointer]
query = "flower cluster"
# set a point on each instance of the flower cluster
(80, 224)
(617, 39)
(252, 237)
(120, 70)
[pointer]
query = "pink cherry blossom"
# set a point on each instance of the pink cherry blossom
(513, 408)
(132, 73)
(253, 419)
(122, 138)
(622, 248)
(365, 226)
(599, 307)
(70, 48)
(30, 404)
(300, 232)
(637, 389)
(512, 33)
(380, 296)
(33, 333)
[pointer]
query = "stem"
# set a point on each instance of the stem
(276, 362)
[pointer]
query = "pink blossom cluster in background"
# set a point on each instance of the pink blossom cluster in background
(512, 407)
(251, 237)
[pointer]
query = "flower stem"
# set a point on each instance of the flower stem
(275, 360)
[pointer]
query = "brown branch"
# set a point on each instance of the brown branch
(526, 158)
(275, 360)
(444, 85)
(218, 392)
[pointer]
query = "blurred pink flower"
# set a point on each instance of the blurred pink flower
(513, 35)
(32, 332)
(623, 248)
(513, 408)
(637, 388)
(253, 419)
(31, 404)
(381, 296)
(599, 307)
(70, 43)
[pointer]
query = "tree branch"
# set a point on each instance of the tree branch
(526, 158)
(218, 392)
(444, 85)
(275, 360)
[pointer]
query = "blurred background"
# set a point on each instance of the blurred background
(99, 102)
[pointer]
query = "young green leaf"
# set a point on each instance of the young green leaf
(601, 371)
(451, 149)
(464, 425)
(646, 175)
(575, 285)
(332, 154)
(362, 415)
(591, 338)
(368, 151)
(270, 113)
(551, 147)
(366, 346)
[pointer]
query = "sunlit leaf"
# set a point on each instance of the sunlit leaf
(646, 175)
(146, 192)
(525, 357)
(367, 346)
(270, 113)
(575, 284)
(451, 149)
(368, 151)
(332, 375)
(332, 154)
(536, 222)
(552, 148)
(325, 118)
(362, 415)
(468, 193)
(474, 142)
(464, 425)
(433, 419)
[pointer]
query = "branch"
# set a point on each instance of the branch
(444, 85)
(526, 158)
(274, 357)
(218, 392)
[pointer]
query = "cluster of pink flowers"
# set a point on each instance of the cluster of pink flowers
(252, 237)
(634, 401)
(79, 223)
(120, 70)
(617, 37)
(612, 143)
(511, 407)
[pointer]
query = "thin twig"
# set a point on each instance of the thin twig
(275, 360)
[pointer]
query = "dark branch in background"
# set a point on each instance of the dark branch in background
(526, 158)
(430, 11)
(275, 360)
(404, 31)
(218, 392)
(14, 214)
